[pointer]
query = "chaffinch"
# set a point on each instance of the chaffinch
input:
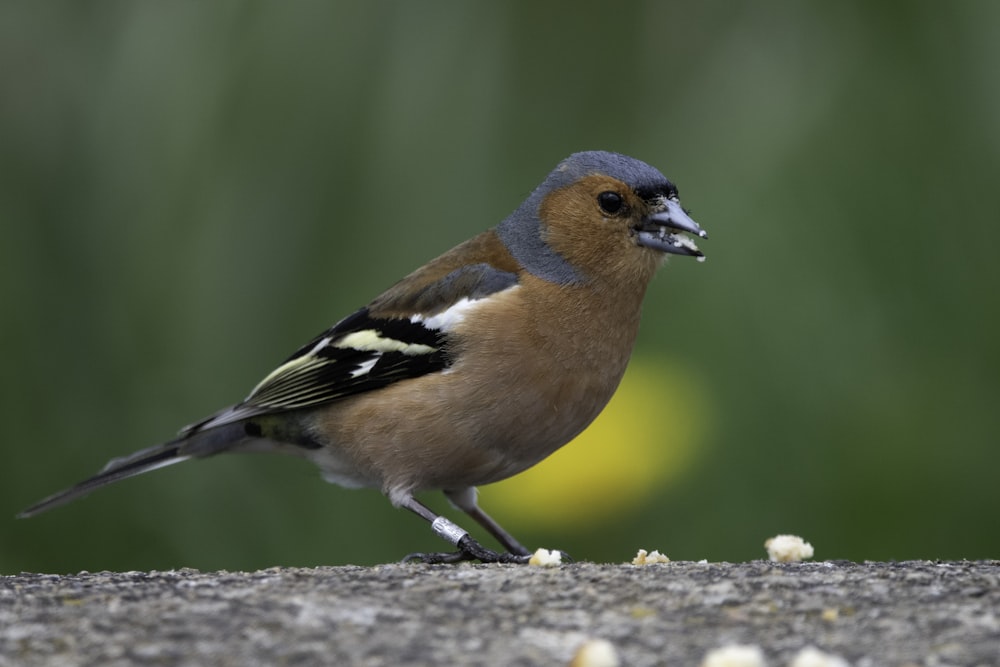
(474, 367)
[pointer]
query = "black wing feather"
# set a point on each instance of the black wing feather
(321, 371)
(331, 366)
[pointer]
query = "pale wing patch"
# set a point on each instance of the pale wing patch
(446, 319)
(370, 340)
(320, 345)
(297, 365)
(364, 367)
(456, 313)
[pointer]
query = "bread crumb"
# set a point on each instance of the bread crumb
(734, 655)
(546, 558)
(788, 549)
(813, 657)
(596, 653)
(644, 557)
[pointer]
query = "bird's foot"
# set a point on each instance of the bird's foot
(468, 549)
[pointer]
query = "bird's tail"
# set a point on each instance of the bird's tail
(195, 444)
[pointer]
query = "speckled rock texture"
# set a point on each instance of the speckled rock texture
(871, 614)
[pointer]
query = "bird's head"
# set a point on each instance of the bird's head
(600, 213)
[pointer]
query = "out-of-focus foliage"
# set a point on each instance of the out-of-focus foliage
(189, 191)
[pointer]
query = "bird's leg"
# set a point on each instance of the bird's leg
(465, 500)
(468, 548)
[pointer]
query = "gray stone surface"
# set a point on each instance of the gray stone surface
(872, 614)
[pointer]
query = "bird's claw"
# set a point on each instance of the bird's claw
(435, 558)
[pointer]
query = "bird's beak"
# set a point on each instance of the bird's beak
(659, 231)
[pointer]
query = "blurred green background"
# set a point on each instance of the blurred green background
(189, 191)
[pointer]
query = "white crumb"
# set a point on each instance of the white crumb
(788, 549)
(596, 653)
(644, 557)
(546, 558)
(813, 657)
(734, 655)
(684, 242)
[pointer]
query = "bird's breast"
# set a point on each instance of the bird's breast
(525, 378)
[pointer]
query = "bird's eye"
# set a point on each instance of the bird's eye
(610, 202)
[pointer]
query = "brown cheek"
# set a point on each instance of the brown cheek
(575, 230)
(604, 246)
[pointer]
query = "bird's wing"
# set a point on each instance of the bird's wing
(376, 346)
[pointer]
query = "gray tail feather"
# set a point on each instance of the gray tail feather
(198, 444)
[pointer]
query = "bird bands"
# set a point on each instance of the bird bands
(448, 530)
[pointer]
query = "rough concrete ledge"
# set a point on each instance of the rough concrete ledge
(871, 614)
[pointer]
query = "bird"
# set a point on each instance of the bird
(471, 369)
